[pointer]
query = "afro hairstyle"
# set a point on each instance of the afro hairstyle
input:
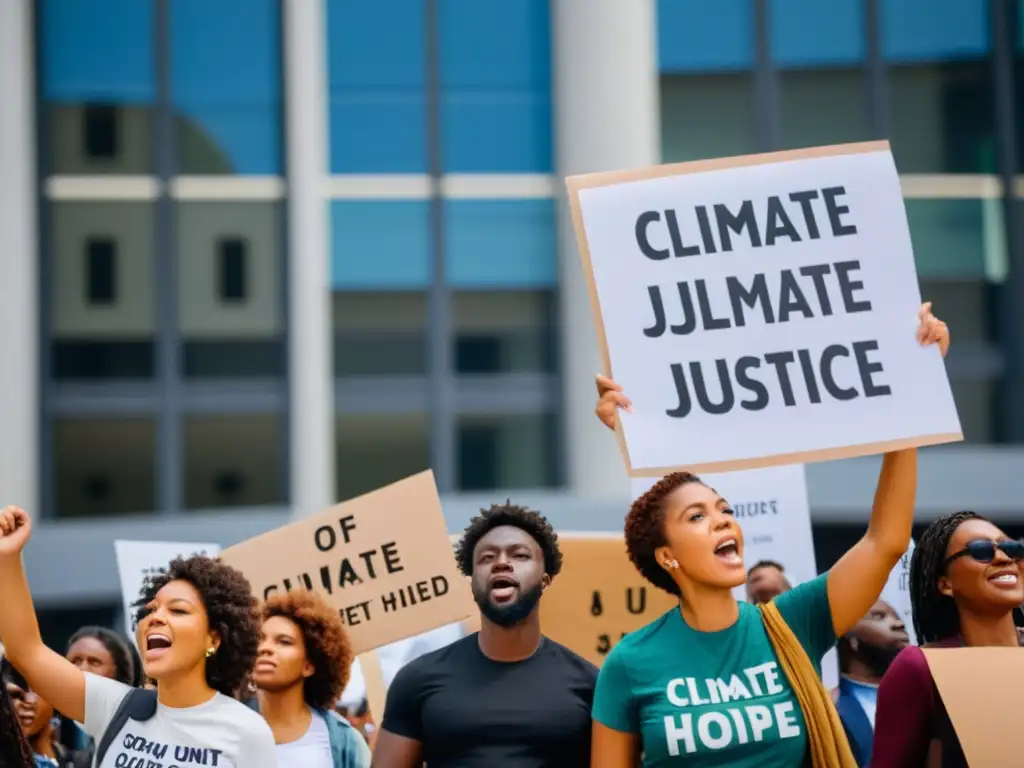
(532, 523)
(230, 612)
(645, 529)
(327, 643)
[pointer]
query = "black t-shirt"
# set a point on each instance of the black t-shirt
(467, 710)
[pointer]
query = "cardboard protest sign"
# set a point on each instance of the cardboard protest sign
(598, 596)
(136, 560)
(373, 678)
(382, 559)
(760, 310)
(965, 677)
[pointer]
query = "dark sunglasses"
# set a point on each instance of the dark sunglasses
(984, 550)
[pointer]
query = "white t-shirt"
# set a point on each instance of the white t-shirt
(222, 733)
(313, 750)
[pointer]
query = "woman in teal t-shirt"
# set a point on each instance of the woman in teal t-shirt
(702, 685)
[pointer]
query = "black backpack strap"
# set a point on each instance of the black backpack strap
(139, 705)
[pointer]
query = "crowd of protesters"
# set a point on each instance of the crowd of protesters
(221, 680)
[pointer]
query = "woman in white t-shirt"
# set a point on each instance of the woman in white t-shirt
(198, 634)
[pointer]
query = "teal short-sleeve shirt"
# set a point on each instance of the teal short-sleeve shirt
(714, 698)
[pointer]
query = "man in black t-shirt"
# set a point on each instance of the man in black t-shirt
(505, 696)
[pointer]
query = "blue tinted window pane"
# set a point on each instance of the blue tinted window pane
(226, 85)
(97, 50)
(705, 36)
(496, 76)
(943, 120)
(506, 243)
(376, 64)
(958, 239)
(927, 30)
(812, 33)
(380, 244)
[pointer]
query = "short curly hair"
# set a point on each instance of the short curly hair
(532, 523)
(230, 611)
(327, 643)
(645, 529)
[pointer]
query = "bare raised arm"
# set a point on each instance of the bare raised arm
(856, 581)
(394, 751)
(613, 749)
(53, 677)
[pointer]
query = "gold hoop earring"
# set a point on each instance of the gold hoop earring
(210, 651)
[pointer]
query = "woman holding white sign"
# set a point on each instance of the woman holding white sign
(198, 631)
(720, 683)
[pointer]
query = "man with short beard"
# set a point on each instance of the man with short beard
(865, 654)
(506, 695)
(302, 668)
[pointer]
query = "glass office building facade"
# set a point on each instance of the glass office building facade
(265, 254)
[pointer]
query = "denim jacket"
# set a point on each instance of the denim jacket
(348, 747)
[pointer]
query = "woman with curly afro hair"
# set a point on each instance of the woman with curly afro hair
(198, 632)
(703, 684)
(965, 582)
(302, 668)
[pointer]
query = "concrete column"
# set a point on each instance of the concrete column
(606, 117)
(311, 378)
(19, 290)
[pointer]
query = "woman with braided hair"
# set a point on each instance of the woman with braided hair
(965, 582)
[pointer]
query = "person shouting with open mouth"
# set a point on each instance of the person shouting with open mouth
(716, 682)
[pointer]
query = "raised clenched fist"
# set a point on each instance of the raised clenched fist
(15, 529)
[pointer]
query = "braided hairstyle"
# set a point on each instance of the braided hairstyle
(935, 615)
(15, 751)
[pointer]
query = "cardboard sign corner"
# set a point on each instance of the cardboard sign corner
(963, 676)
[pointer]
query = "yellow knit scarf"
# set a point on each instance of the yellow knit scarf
(829, 746)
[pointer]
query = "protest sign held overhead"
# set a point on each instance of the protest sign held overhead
(599, 596)
(762, 307)
(382, 559)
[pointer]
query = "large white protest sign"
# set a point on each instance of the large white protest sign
(138, 559)
(761, 310)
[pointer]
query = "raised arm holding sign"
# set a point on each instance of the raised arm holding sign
(764, 704)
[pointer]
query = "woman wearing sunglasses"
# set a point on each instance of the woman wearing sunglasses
(965, 582)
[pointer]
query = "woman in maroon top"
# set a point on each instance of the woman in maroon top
(965, 581)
